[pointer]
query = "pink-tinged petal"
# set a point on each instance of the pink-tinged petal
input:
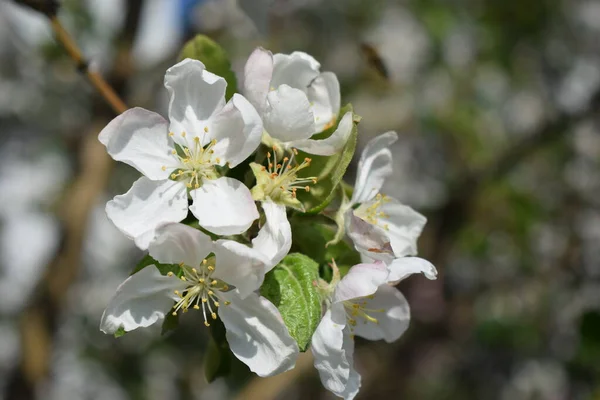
(331, 145)
(374, 167)
(176, 243)
(288, 115)
(224, 206)
(324, 95)
(237, 128)
(239, 265)
(196, 94)
(402, 268)
(333, 350)
(140, 138)
(147, 205)
(257, 335)
(257, 78)
(369, 239)
(393, 317)
(360, 281)
(404, 226)
(140, 301)
(274, 239)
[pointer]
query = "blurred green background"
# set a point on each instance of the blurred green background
(496, 105)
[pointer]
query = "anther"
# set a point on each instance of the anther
(182, 134)
(204, 261)
(216, 304)
(227, 303)
(174, 313)
(206, 323)
(183, 278)
(206, 129)
(201, 280)
(171, 134)
(210, 292)
(211, 268)
(196, 307)
(214, 315)
(214, 282)
(170, 273)
(164, 167)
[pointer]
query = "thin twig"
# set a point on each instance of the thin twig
(105, 90)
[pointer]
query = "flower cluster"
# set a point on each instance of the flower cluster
(195, 210)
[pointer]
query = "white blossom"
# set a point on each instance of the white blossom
(380, 226)
(296, 100)
(362, 303)
(217, 278)
(179, 158)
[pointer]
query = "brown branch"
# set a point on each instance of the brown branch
(39, 319)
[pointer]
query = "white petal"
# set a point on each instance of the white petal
(297, 70)
(403, 267)
(274, 239)
(257, 335)
(369, 239)
(196, 94)
(330, 145)
(324, 94)
(237, 129)
(360, 281)
(333, 349)
(224, 206)
(288, 115)
(257, 78)
(392, 322)
(140, 301)
(404, 227)
(175, 243)
(374, 167)
(147, 205)
(140, 138)
(239, 265)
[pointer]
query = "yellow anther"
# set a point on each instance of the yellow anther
(204, 261)
(189, 185)
(196, 307)
(170, 273)
(171, 134)
(182, 134)
(216, 304)
(164, 167)
(213, 282)
(173, 151)
(227, 303)
(173, 176)
(194, 270)
(201, 280)
(197, 139)
(214, 315)
(225, 287)
(206, 129)
(307, 188)
(174, 313)
(176, 292)
(352, 321)
(210, 292)
(183, 278)
(206, 323)
(204, 299)
(211, 268)
(197, 185)
(218, 160)
(181, 264)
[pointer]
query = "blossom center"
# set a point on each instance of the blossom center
(358, 310)
(283, 180)
(371, 211)
(194, 161)
(203, 291)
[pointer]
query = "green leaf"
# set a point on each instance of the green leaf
(329, 170)
(170, 323)
(213, 56)
(290, 287)
(310, 236)
(120, 332)
(162, 268)
(217, 360)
